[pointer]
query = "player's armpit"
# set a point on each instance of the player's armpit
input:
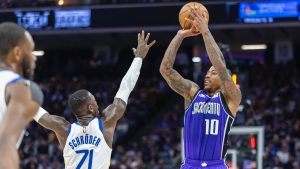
(230, 91)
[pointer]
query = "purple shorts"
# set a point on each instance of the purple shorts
(199, 164)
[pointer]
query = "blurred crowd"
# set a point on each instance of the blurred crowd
(47, 3)
(149, 134)
(273, 102)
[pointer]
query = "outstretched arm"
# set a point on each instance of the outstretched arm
(116, 110)
(231, 92)
(184, 87)
(57, 124)
(20, 109)
(111, 116)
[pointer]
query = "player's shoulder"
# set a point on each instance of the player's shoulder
(10, 73)
(10, 77)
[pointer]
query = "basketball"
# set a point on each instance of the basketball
(184, 13)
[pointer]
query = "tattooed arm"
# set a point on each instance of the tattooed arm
(111, 116)
(184, 87)
(231, 92)
(57, 124)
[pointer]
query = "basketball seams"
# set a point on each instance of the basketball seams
(183, 14)
(184, 24)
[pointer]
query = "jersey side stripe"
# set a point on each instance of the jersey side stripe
(228, 126)
(69, 129)
(224, 133)
(100, 124)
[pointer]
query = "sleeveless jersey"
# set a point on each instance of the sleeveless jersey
(207, 122)
(7, 77)
(86, 147)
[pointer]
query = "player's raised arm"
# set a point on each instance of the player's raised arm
(231, 92)
(20, 109)
(57, 124)
(184, 87)
(116, 110)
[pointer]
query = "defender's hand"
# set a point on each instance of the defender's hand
(142, 48)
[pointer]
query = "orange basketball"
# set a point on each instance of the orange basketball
(184, 13)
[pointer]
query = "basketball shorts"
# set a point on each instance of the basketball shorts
(199, 164)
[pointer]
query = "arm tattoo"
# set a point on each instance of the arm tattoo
(114, 111)
(224, 76)
(214, 53)
(177, 83)
(187, 103)
(120, 108)
(57, 124)
(216, 57)
(54, 123)
(223, 59)
(170, 55)
(111, 116)
(173, 78)
(229, 85)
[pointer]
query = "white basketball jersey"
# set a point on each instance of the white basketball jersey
(7, 77)
(86, 147)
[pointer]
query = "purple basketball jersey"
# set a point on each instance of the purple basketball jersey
(207, 122)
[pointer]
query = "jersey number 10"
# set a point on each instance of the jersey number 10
(211, 127)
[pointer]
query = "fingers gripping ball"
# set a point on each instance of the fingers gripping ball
(185, 13)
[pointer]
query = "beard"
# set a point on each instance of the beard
(27, 69)
(207, 90)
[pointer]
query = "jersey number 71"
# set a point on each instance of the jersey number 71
(85, 154)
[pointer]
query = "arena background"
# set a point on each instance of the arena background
(87, 44)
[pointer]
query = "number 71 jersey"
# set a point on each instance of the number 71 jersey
(86, 147)
(207, 123)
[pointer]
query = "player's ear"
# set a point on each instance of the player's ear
(14, 55)
(90, 107)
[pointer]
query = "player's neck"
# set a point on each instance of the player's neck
(84, 120)
(211, 93)
(12, 66)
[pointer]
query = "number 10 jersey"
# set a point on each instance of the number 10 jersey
(207, 122)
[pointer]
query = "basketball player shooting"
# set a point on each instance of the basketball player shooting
(88, 142)
(210, 111)
(19, 98)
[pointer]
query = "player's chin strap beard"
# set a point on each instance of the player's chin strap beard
(26, 70)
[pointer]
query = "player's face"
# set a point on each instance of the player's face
(28, 60)
(212, 81)
(93, 106)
